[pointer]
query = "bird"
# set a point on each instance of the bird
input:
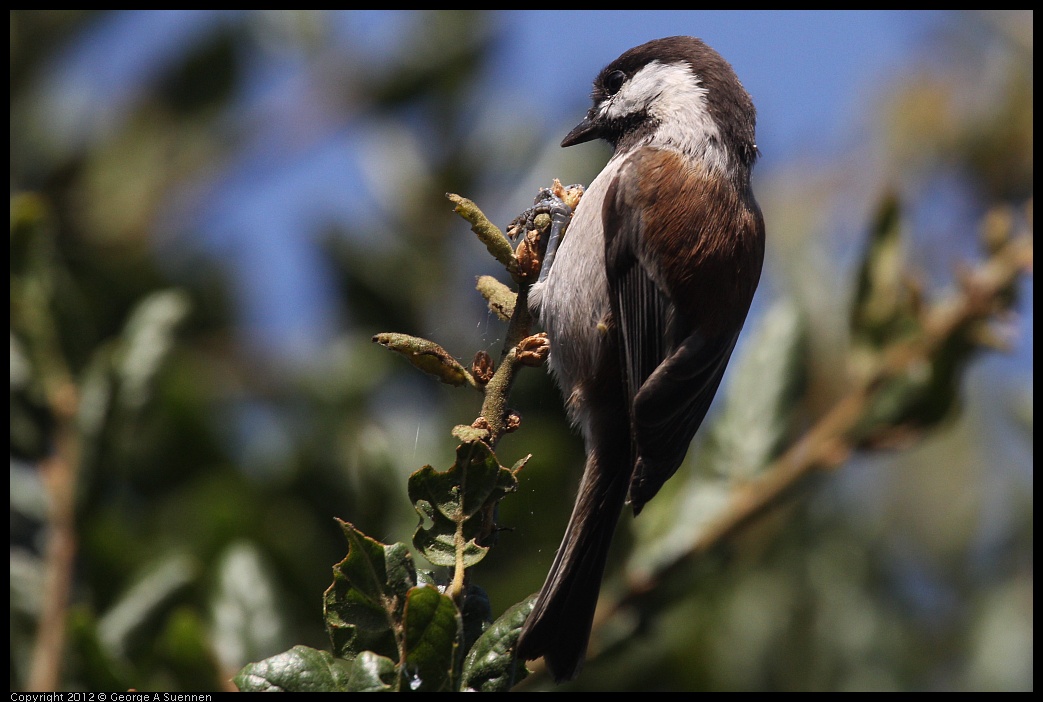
(649, 288)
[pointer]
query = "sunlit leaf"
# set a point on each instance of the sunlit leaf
(148, 339)
(766, 380)
(754, 425)
(490, 665)
(248, 624)
(432, 635)
(457, 506)
(425, 355)
(140, 607)
(367, 596)
(372, 673)
(301, 669)
(501, 298)
(487, 232)
(884, 308)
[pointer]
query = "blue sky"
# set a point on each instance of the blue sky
(812, 75)
(805, 69)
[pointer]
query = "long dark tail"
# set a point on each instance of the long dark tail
(559, 627)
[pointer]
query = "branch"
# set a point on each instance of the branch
(829, 443)
(59, 471)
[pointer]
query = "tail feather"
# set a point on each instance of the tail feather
(559, 627)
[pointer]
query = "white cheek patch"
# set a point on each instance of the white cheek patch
(676, 99)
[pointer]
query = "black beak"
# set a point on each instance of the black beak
(587, 130)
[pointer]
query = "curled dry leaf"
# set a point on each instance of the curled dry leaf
(533, 350)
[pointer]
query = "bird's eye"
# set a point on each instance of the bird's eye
(614, 81)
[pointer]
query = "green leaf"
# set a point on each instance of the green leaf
(467, 433)
(31, 419)
(458, 506)
(372, 673)
(145, 603)
(433, 632)
(501, 298)
(487, 232)
(427, 356)
(301, 669)
(247, 621)
(766, 381)
(920, 397)
(147, 340)
(884, 307)
(184, 646)
(753, 427)
(101, 670)
(490, 665)
(364, 604)
(26, 588)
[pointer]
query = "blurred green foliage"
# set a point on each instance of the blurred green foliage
(208, 476)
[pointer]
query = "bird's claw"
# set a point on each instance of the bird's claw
(554, 202)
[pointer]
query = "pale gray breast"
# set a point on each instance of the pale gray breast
(573, 299)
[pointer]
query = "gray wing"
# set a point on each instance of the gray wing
(673, 369)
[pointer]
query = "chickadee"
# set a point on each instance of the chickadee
(648, 291)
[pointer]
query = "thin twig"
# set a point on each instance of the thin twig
(59, 473)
